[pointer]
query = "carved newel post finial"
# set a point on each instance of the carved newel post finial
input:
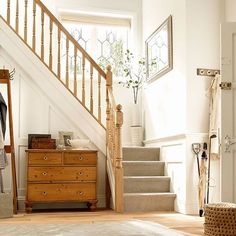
(109, 76)
(109, 67)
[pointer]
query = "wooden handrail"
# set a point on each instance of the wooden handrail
(68, 35)
(112, 98)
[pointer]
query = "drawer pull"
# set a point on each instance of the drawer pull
(81, 158)
(81, 193)
(44, 193)
(44, 173)
(81, 173)
(45, 158)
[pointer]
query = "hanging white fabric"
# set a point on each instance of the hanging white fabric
(214, 93)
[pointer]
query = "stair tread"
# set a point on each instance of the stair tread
(146, 177)
(148, 162)
(137, 147)
(153, 194)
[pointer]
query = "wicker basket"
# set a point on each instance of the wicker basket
(220, 219)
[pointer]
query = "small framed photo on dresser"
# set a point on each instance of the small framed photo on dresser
(64, 136)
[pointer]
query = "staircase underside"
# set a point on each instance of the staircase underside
(52, 88)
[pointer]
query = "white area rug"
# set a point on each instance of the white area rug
(121, 228)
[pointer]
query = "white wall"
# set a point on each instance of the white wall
(203, 51)
(230, 9)
(164, 99)
(176, 106)
(203, 20)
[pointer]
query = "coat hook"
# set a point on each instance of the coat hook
(12, 74)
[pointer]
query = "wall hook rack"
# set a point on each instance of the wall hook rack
(207, 72)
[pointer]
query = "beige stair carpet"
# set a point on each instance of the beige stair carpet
(146, 188)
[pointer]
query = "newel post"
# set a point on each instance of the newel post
(119, 122)
(118, 161)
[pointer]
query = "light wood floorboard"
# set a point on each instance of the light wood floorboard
(189, 225)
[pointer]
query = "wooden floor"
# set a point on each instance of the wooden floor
(190, 225)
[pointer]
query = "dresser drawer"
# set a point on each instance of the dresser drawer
(77, 158)
(44, 158)
(61, 192)
(62, 173)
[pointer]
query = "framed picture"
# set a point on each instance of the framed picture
(159, 53)
(64, 136)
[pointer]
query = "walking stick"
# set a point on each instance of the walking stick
(202, 181)
(209, 168)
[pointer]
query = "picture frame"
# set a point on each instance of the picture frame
(63, 136)
(159, 51)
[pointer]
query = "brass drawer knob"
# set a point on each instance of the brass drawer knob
(81, 158)
(44, 173)
(44, 193)
(45, 158)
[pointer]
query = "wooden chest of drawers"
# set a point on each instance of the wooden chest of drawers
(61, 176)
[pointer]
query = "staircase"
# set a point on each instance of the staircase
(145, 186)
(32, 34)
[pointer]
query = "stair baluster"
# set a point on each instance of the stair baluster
(34, 27)
(83, 79)
(42, 35)
(8, 11)
(99, 98)
(17, 16)
(25, 21)
(75, 71)
(59, 54)
(67, 62)
(50, 44)
(91, 88)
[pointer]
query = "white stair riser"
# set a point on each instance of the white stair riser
(143, 169)
(141, 154)
(146, 185)
(145, 203)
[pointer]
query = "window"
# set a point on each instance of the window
(105, 43)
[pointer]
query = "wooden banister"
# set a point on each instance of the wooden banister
(63, 29)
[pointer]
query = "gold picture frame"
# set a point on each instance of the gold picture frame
(159, 51)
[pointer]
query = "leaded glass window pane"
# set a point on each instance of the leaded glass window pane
(105, 44)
